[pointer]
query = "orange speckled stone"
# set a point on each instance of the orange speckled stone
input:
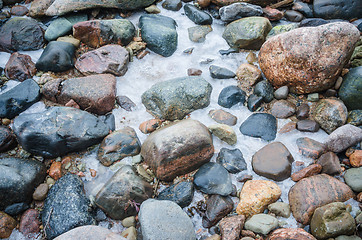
(55, 170)
(290, 234)
(356, 158)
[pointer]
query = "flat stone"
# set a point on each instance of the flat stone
(217, 207)
(230, 96)
(220, 72)
(280, 209)
(343, 138)
(63, 25)
(239, 10)
(260, 125)
(181, 193)
(311, 170)
(330, 163)
(198, 33)
(282, 109)
(232, 160)
(353, 178)
(19, 67)
(224, 132)
(230, 227)
(310, 148)
(307, 126)
(281, 93)
(196, 15)
(261, 223)
(223, 117)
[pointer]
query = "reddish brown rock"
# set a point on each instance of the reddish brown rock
(309, 171)
(290, 126)
(203, 3)
(282, 109)
(18, 10)
(248, 75)
(150, 125)
(7, 224)
(290, 234)
(29, 222)
(273, 14)
(177, 149)
(55, 170)
(194, 72)
(307, 126)
(107, 59)
(359, 197)
(316, 191)
(310, 148)
(230, 227)
(20, 67)
(217, 207)
(303, 111)
(356, 158)
(308, 59)
(51, 89)
(223, 117)
(330, 163)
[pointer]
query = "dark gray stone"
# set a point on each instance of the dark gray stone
(293, 16)
(125, 103)
(307, 126)
(304, 8)
(264, 89)
(16, 208)
(254, 102)
(217, 207)
(351, 89)
(7, 139)
(334, 9)
(231, 95)
(220, 72)
(180, 193)
(197, 16)
(173, 5)
(232, 160)
(313, 22)
(63, 25)
(239, 10)
(260, 125)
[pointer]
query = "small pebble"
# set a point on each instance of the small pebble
(129, 222)
(313, 97)
(41, 192)
(281, 93)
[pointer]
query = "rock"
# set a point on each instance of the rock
(96, 33)
(130, 233)
(173, 5)
(272, 14)
(330, 163)
(261, 223)
(231, 95)
(313, 192)
(61, 216)
(201, 3)
(175, 98)
(230, 227)
(125, 103)
(58, 131)
(353, 178)
(150, 125)
(18, 10)
(164, 220)
(41, 192)
(293, 16)
(232, 160)
(21, 34)
(334, 9)
(356, 158)
(307, 126)
(181, 193)
(159, 32)
(196, 15)
(256, 195)
(280, 209)
(312, 71)
(281, 93)
(223, 117)
(70, 39)
(194, 72)
(198, 33)
(311, 170)
(264, 89)
(313, 22)
(63, 25)
(16, 208)
(343, 138)
(290, 126)
(350, 91)
(248, 75)
(224, 132)
(332, 220)
(303, 111)
(355, 117)
(283, 109)
(56, 57)
(7, 224)
(254, 102)
(260, 125)
(129, 222)
(356, 58)
(220, 72)
(55, 170)
(247, 33)
(212, 178)
(262, 3)
(344, 237)
(19, 98)
(217, 207)
(279, 29)
(29, 222)
(239, 10)
(107, 59)
(310, 148)
(118, 145)
(290, 233)
(122, 195)
(177, 149)
(90, 232)
(19, 67)
(304, 8)
(7, 139)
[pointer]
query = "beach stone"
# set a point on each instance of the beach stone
(356, 58)
(198, 33)
(293, 16)
(254, 102)
(330, 163)
(344, 237)
(29, 222)
(230, 96)
(177, 149)
(311, 170)
(18, 10)
(122, 195)
(150, 125)
(194, 72)
(290, 233)
(232, 160)
(196, 15)
(230, 227)
(302, 111)
(162, 219)
(159, 32)
(173, 5)
(279, 29)
(261, 223)
(16, 209)
(239, 10)
(351, 88)
(304, 7)
(201, 3)
(256, 195)
(175, 98)
(181, 193)
(19, 98)
(312, 71)
(280, 209)
(69, 39)
(260, 125)
(217, 207)
(59, 214)
(353, 179)
(264, 89)
(63, 25)
(129, 222)
(90, 232)
(224, 132)
(281, 93)
(248, 75)
(313, 192)
(274, 161)
(19, 67)
(356, 158)
(247, 33)
(343, 138)
(355, 117)
(58, 131)
(283, 109)
(313, 22)
(262, 3)
(55, 170)
(310, 148)
(125, 103)
(7, 139)
(290, 126)
(220, 72)
(7, 224)
(307, 126)
(56, 57)
(96, 33)
(272, 14)
(212, 178)
(334, 9)
(223, 117)
(41, 192)
(332, 220)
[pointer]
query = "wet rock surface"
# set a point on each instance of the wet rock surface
(19, 67)
(343, 137)
(231, 96)
(7, 139)
(217, 207)
(350, 92)
(232, 160)
(260, 125)
(180, 193)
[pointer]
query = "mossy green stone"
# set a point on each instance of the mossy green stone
(356, 59)
(355, 117)
(281, 29)
(351, 89)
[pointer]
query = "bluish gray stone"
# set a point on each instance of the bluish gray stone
(197, 16)
(353, 178)
(351, 89)
(260, 125)
(63, 25)
(264, 89)
(232, 160)
(239, 10)
(180, 193)
(231, 95)
(220, 72)
(336, 9)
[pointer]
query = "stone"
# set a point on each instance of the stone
(355, 117)
(159, 32)
(90, 232)
(16, 208)
(21, 34)
(58, 131)
(290, 233)
(330, 163)
(107, 59)
(217, 207)
(194, 72)
(7, 139)
(344, 237)
(230, 96)
(293, 16)
(353, 179)
(129, 222)
(175, 98)
(283, 109)
(311, 170)
(332, 220)
(334, 9)
(196, 15)
(261, 223)
(19, 67)
(254, 102)
(198, 33)
(260, 125)
(272, 14)
(96, 33)
(7, 224)
(256, 195)
(312, 71)
(304, 8)
(313, 97)
(55, 170)
(281, 93)
(262, 3)
(356, 58)
(274, 161)
(56, 57)
(223, 117)
(41, 192)
(69, 39)
(232, 160)
(264, 89)
(177, 149)
(29, 222)
(230, 227)
(19, 98)
(150, 125)
(307, 126)
(212, 178)
(247, 33)
(220, 72)
(310, 193)
(130, 233)
(181, 193)
(310, 148)
(313, 22)
(356, 158)
(251, 58)
(302, 111)
(18, 10)
(280, 209)
(351, 88)
(239, 10)
(248, 75)
(125, 103)
(343, 138)
(66, 207)
(63, 25)
(118, 145)
(173, 5)
(201, 3)
(122, 195)
(162, 219)
(288, 127)
(224, 132)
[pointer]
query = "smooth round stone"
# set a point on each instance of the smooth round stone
(197, 16)
(90, 232)
(223, 117)
(280, 209)
(293, 16)
(224, 132)
(239, 10)
(217, 207)
(343, 138)
(152, 9)
(198, 33)
(173, 5)
(220, 72)
(281, 93)
(307, 126)
(264, 89)
(282, 109)
(129, 222)
(232, 160)
(351, 88)
(353, 178)
(16, 208)
(330, 163)
(41, 192)
(254, 102)
(180, 193)
(303, 111)
(261, 223)
(18, 10)
(247, 74)
(231, 95)
(260, 125)
(230, 227)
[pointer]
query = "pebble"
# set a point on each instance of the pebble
(261, 223)
(302, 111)
(173, 5)
(152, 9)
(55, 170)
(130, 233)
(29, 222)
(280, 209)
(353, 178)
(150, 125)
(223, 117)
(330, 163)
(129, 222)
(217, 207)
(230, 227)
(311, 170)
(232, 160)
(281, 93)
(282, 109)
(224, 132)
(290, 126)
(7, 224)
(254, 102)
(310, 148)
(194, 72)
(307, 126)
(41, 192)
(7, 139)
(343, 138)
(125, 103)
(260, 125)
(356, 158)
(230, 96)
(220, 72)
(264, 89)
(181, 193)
